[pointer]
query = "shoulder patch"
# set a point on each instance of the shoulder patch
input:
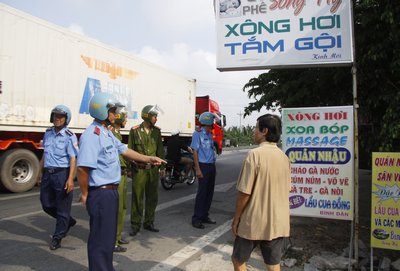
(97, 130)
(69, 132)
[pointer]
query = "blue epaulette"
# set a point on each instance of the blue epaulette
(49, 129)
(69, 132)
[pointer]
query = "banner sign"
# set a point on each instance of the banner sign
(385, 203)
(319, 143)
(260, 34)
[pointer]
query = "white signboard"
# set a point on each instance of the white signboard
(259, 34)
(319, 143)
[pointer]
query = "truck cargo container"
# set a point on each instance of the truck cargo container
(43, 65)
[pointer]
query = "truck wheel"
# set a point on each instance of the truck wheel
(18, 170)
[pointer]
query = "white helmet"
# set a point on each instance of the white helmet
(175, 132)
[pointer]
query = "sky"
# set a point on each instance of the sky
(177, 34)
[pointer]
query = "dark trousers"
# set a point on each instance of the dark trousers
(55, 201)
(102, 206)
(205, 193)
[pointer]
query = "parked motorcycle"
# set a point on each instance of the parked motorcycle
(175, 174)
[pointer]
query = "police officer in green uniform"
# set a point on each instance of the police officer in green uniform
(146, 139)
(120, 122)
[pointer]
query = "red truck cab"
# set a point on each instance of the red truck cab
(205, 104)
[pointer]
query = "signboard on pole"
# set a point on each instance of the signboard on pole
(385, 203)
(319, 143)
(260, 34)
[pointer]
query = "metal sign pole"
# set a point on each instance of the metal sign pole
(356, 158)
(356, 161)
(371, 264)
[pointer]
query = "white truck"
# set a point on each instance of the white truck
(43, 65)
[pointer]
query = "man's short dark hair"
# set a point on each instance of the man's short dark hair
(274, 125)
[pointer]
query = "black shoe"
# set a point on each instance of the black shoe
(123, 241)
(133, 232)
(209, 221)
(151, 228)
(55, 243)
(118, 249)
(198, 225)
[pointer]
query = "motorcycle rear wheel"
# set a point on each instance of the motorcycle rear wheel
(191, 178)
(166, 181)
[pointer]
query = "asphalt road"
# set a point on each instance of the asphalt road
(25, 230)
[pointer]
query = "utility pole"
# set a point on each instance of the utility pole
(240, 114)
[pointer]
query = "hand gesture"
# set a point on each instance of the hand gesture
(235, 225)
(39, 179)
(156, 161)
(69, 185)
(83, 198)
(199, 174)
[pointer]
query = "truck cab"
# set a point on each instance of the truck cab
(205, 104)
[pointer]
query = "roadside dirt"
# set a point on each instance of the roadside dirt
(315, 235)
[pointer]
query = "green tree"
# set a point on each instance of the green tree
(240, 135)
(377, 40)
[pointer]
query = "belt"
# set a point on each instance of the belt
(52, 170)
(207, 164)
(106, 186)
